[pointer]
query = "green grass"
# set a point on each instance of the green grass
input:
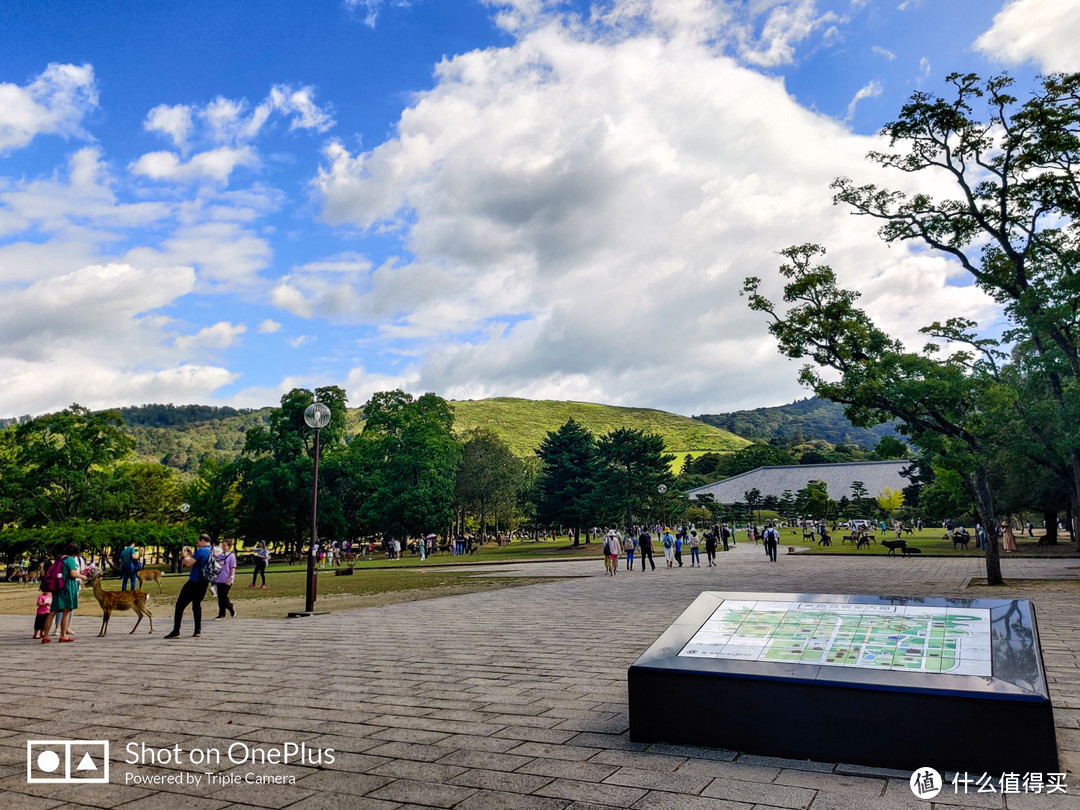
(928, 541)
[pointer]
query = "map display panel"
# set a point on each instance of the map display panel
(912, 638)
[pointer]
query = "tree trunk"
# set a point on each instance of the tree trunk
(483, 520)
(577, 535)
(985, 506)
(1050, 516)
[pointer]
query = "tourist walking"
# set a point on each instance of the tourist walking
(695, 549)
(66, 599)
(679, 536)
(772, 541)
(669, 547)
(262, 559)
(710, 546)
(194, 590)
(645, 549)
(612, 547)
(629, 543)
(225, 579)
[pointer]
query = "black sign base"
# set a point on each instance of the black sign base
(790, 703)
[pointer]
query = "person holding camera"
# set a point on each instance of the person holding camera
(194, 589)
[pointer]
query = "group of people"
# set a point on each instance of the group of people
(640, 543)
(211, 567)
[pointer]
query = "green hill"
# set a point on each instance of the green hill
(523, 423)
(802, 420)
(182, 436)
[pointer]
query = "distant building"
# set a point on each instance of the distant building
(875, 476)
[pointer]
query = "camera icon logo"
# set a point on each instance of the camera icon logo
(67, 761)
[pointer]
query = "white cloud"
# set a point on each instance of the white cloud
(786, 26)
(215, 164)
(371, 8)
(299, 341)
(53, 103)
(227, 255)
(581, 217)
(221, 335)
(871, 89)
(331, 287)
(883, 52)
(269, 327)
(76, 377)
(300, 104)
(79, 213)
(174, 121)
(1042, 31)
(96, 336)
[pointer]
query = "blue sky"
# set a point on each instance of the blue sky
(216, 202)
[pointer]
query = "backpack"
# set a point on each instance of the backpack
(628, 543)
(56, 576)
(668, 543)
(211, 568)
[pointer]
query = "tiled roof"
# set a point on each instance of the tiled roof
(875, 476)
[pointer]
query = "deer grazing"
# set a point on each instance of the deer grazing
(119, 600)
(151, 574)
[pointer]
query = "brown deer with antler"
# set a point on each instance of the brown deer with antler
(119, 600)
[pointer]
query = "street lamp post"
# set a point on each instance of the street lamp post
(317, 416)
(662, 488)
(184, 509)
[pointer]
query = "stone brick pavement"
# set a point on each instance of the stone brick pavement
(506, 699)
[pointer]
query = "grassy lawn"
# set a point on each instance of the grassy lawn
(929, 541)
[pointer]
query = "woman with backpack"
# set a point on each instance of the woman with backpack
(629, 543)
(612, 547)
(66, 595)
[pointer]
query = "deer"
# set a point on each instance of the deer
(119, 600)
(153, 574)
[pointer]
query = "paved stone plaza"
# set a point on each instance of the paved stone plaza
(507, 699)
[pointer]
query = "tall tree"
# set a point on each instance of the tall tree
(566, 484)
(274, 473)
(631, 465)
(63, 464)
(489, 475)
(407, 457)
(939, 401)
(1012, 220)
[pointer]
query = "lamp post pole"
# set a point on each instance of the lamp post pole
(662, 489)
(184, 508)
(317, 416)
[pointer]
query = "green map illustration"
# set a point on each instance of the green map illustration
(913, 638)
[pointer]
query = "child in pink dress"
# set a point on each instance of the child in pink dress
(44, 607)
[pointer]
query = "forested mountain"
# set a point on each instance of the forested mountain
(177, 415)
(802, 420)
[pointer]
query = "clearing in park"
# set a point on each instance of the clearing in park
(954, 641)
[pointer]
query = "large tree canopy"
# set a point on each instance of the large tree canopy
(1011, 221)
(406, 458)
(61, 466)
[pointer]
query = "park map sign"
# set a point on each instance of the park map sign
(887, 681)
(913, 638)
